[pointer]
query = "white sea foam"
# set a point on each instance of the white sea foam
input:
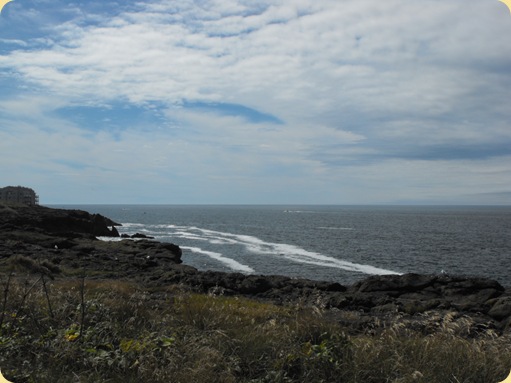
(231, 263)
(257, 246)
(131, 225)
(110, 239)
(187, 235)
(292, 252)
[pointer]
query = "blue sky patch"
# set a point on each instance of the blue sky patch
(235, 110)
(114, 116)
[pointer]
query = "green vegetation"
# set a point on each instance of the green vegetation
(115, 331)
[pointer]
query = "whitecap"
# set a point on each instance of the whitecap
(258, 246)
(110, 239)
(296, 254)
(231, 263)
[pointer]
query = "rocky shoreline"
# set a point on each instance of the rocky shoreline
(63, 244)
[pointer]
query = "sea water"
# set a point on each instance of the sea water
(332, 243)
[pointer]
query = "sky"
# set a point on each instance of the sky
(257, 102)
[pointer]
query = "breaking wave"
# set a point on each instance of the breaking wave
(190, 238)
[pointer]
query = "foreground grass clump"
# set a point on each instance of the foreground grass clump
(116, 331)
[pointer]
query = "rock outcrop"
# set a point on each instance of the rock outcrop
(56, 221)
(378, 296)
(67, 238)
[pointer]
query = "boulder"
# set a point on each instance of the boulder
(254, 285)
(501, 308)
(138, 236)
(399, 283)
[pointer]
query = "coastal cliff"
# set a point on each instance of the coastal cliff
(66, 242)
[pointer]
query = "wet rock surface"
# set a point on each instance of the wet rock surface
(65, 241)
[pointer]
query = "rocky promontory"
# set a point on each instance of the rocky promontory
(68, 239)
(64, 244)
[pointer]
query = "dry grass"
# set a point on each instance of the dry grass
(116, 331)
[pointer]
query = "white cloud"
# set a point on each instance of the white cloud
(360, 85)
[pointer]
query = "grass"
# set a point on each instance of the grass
(116, 331)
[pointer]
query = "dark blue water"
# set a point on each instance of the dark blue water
(335, 243)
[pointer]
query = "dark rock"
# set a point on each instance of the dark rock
(501, 308)
(56, 221)
(61, 244)
(419, 295)
(397, 283)
(254, 285)
(337, 287)
(114, 232)
(138, 235)
(420, 306)
(172, 248)
(100, 226)
(149, 263)
(475, 301)
(465, 286)
(339, 301)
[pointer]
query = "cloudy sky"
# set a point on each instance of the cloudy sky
(267, 101)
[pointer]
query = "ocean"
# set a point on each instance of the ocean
(331, 243)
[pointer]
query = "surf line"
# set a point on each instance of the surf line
(289, 252)
(256, 245)
(231, 263)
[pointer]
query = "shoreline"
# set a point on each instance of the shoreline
(67, 239)
(270, 241)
